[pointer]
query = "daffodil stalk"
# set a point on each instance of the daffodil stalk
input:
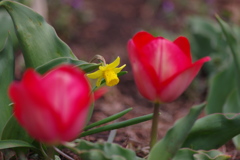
(108, 72)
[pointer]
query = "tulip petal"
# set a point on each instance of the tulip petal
(145, 84)
(166, 57)
(74, 92)
(145, 76)
(176, 85)
(76, 126)
(15, 89)
(70, 101)
(30, 79)
(41, 124)
(52, 108)
(184, 45)
(114, 64)
(27, 89)
(32, 111)
(142, 38)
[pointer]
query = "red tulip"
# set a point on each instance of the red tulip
(53, 108)
(162, 69)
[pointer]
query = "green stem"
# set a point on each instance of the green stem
(43, 152)
(154, 129)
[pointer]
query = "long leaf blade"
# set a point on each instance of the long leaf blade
(85, 66)
(13, 130)
(231, 40)
(189, 154)
(215, 129)
(108, 119)
(4, 144)
(6, 77)
(219, 91)
(6, 28)
(118, 125)
(37, 39)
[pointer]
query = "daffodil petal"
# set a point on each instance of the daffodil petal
(99, 81)
(117, 70)
(95, 75)
(114, 64)
(103, 68)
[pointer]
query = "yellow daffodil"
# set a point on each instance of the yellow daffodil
(108, 72)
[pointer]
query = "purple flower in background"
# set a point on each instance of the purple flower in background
(74, 3)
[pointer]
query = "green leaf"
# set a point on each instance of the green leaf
(103, 151)
(89, 67)
(173, 140)
(6, 77)
(122, 73)
(13, 130)
(206, 157)
(236, 142)
(188, 154)
(99, 155)
(37, 39)
(206, 33)
(211, 155)
(213, 131)
(227, 32)
(4, 144)
(6, 27)
(232, 105)
(118, 125)
(232, 42)
(184, 154)
(90, 112)
(108, 119)
(221, 85)
(85, 66)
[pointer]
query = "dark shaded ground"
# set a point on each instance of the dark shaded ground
(104, 27)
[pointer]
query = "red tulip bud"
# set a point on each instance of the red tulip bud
(162, 69)
(53, 108)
